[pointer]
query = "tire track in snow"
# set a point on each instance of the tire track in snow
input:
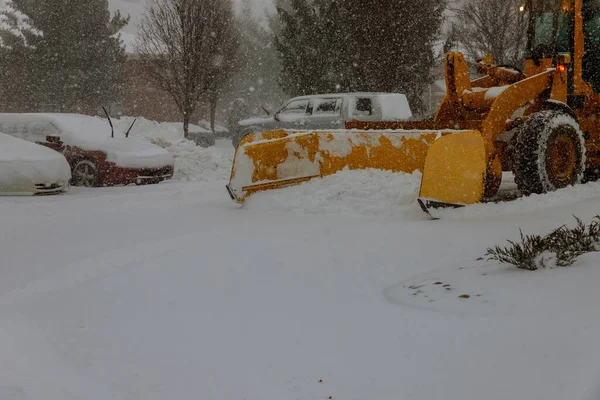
(533, 203)
(28, 373)
(92, 268)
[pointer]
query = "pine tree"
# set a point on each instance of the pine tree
(359, 45)
(305, 66)
(77, 63)
(255, 84)
(14, 26)
(16, 31)
(392, 44)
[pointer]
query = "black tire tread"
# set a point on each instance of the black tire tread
(527, 145)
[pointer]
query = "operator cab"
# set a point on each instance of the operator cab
(551, 32)
(550, 25)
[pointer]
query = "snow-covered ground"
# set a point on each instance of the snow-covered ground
(336, 289)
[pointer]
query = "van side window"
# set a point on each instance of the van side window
(364, 107)
(325, 107)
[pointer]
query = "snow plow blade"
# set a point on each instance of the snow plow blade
(276, 159)
(455, 172)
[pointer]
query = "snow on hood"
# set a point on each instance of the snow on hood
(134, 153)
(151, 130)
(155, 131)
(22, 160)
(88, 133)
(15, 149)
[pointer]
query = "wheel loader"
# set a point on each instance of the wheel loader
(539, 122)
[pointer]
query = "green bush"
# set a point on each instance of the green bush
(560, 248)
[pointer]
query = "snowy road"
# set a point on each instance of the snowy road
(174, 292)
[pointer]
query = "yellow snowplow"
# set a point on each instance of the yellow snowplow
(540, 124)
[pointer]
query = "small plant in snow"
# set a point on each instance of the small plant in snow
(560, 248)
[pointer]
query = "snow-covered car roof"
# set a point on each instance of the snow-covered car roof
(24, 164)
(88, 133)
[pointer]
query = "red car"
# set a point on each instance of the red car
(98, 156)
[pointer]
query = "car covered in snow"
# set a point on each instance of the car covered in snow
(30, 169)
(97, 155)
(155, 131)
(201, 136)
(328, 111)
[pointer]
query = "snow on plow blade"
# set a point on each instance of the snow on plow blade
(282, 158)
(455, 171)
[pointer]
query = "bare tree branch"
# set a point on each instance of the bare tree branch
(178, 41)
(493, 27)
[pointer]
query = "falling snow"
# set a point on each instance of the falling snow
(338, 287)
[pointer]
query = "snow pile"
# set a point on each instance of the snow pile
(366, 192)
(194, 163)
(531, 203)
(160, 131)
(156, 132)
(402, 149)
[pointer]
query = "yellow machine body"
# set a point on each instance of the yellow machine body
(461, 152)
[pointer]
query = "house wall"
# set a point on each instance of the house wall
(142, 98)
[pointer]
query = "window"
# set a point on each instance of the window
(552, 26)
(296, 107)
(364, 107)
(325, 107)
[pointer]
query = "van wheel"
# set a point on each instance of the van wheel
(548, 152)
(85, 173)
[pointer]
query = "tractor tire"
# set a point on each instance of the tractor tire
(548, 152)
